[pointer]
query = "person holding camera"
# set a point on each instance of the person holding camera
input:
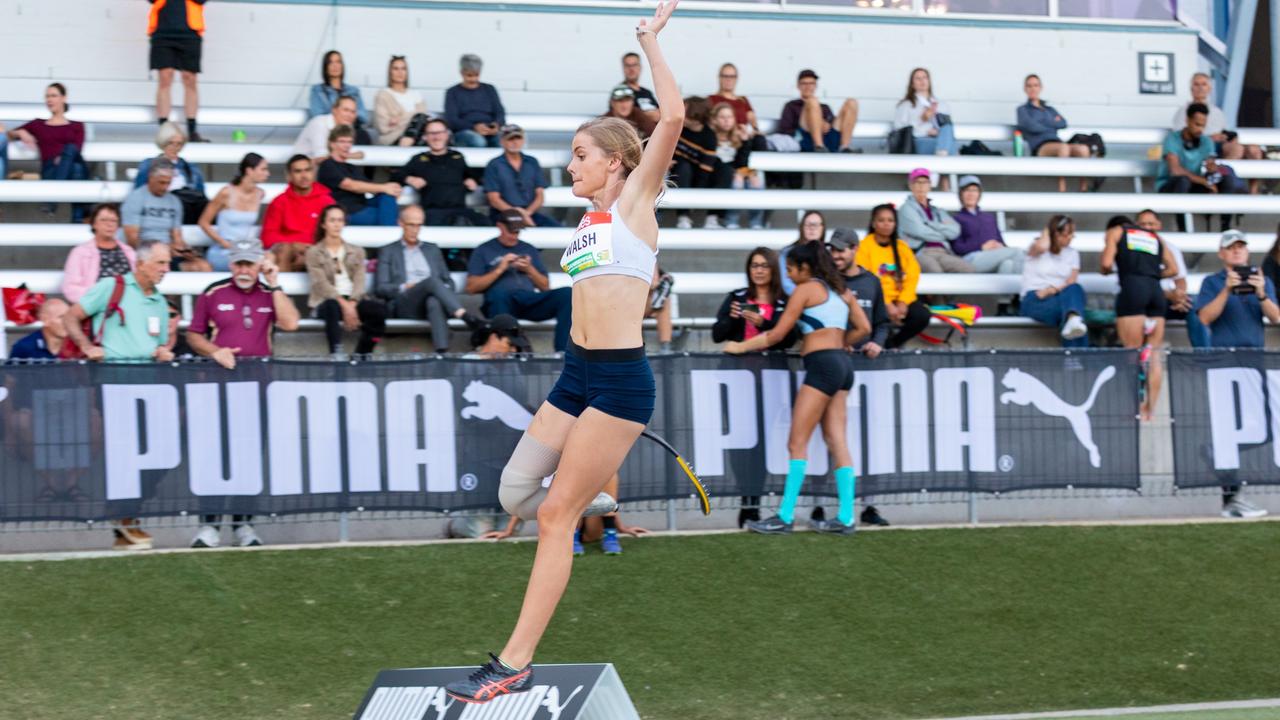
(1232, 303)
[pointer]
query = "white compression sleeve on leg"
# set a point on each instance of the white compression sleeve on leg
(521, 491)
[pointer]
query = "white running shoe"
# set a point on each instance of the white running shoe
(1242, 509)
(684, 222)
(246, 537)
(208, 537)
(712, 223)
(602, 505)
(1074, 328)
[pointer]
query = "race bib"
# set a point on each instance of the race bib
(592, 244)
(1142, 241)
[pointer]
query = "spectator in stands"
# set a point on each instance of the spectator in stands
(1177, 299)
(59, 141)
(622, 104)
(843, 247)
(289, 227)
(235, 211)
(1050, 293)
(646, 101)
(1232, 304)
(1140, 258)
(812, 228)
(187, 183)
(514, 281)
(472, 108)
(499, 336)
(980, 242)
(659, 309)
(743, 113)
(734, 143)
(696, 164)
(1039, 124)
(128, 323)
(153, 213)
(1227, 143)
(235, 317)
(349, 187)
(1190, 165)
(102, 257)
(928, 117)
(399, 112)
(50, 341)
(928, 229)
(513, 181)
(891, 259)
(313, 141)
(176, 28)
(440, 177)
(415, 282)
(1271, 263)
(333, 85)
(806, 114)
(339, 293)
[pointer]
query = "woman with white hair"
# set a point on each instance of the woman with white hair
(188, 181)
(472, 108)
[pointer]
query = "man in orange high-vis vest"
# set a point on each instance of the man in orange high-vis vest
(176, 28)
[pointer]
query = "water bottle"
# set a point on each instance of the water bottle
(238, 136)
(1019, 145)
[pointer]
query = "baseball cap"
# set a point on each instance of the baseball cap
(806, 73)
(512, 219)
(622, 92)
(508, 327)
(917, 173)
(511, 130)
(1231, 237)
(245, 251)
(967, 180)
(843, 238)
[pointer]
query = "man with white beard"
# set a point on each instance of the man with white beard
(235, 318)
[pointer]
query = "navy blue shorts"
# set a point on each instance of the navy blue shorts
(615, 382)
(828, 371)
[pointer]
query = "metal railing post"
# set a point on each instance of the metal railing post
(344, 528)
(671, 515)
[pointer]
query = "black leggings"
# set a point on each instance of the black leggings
(687, 175)
(917, 319)
(373, 324)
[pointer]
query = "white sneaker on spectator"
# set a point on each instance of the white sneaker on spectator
(246, 537)
(712, 223)
(684, 222)
(1242, 509)
(208, 537)
(1074, 328)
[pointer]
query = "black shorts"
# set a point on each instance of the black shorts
(615, 382)
(828, 371)
(182, 53)
(1140, 295)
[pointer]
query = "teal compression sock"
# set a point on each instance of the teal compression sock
(791, 492)
(845, 480)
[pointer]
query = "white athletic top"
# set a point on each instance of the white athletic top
(604, 245)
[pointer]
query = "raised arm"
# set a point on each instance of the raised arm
(647, 180)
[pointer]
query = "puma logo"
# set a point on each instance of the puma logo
(1025, 389)
(490, 403)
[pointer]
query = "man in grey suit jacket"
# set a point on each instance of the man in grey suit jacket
(414, 280)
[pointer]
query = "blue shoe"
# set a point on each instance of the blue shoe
(492, 680)
(577, 543)
(609, 543)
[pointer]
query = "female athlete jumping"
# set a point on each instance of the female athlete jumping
(830, 319)
(605, 394)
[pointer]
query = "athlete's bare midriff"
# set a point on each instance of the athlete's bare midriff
(822, 339)
(608, 312)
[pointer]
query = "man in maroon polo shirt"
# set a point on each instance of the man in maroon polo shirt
(235, 317)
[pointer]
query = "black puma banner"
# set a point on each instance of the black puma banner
(1226, 407)
(102, 441)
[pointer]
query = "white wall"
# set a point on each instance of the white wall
(267, 55)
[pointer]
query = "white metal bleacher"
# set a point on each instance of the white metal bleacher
(548, 123)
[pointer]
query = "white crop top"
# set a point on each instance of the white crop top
(603, 245)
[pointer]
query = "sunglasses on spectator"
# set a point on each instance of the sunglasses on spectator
(1063, 223)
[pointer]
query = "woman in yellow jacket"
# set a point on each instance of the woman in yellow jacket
(883, 254)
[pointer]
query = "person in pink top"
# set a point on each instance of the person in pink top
(103, 256)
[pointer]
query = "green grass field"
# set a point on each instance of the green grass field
(882, 625)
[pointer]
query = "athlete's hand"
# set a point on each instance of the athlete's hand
(661, 15)
(632, 530)
(733, 347)
(496, 535)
